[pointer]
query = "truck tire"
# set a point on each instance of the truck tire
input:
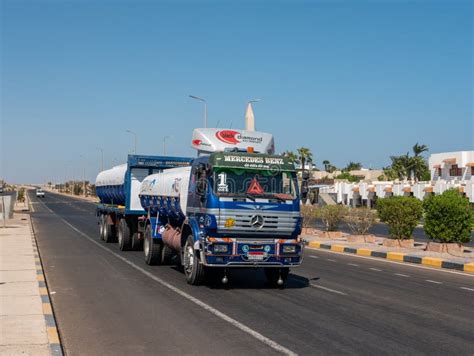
(123, 235)
(101, 227)
(193, 269)
(151, 248)
(166, 255)
(109, 231)
(273, 274)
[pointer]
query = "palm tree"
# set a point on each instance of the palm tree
(305, 155)
(292, 157)
(326, 165)
(419, 164)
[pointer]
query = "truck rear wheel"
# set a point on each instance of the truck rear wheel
(101, 227)
(123, 235)
(109, 231)
(273, 274)
(193, 269)
(166, 255)
(151, 248)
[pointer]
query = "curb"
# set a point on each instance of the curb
(395, 256)
(51, 326)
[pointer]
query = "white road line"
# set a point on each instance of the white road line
(353, 264)
(375, 269)
(404, 264)
(314, 256)
(327, 289)
(401, 275)
(331, 260)
(430, 281)
(269, 342)
(471, 289)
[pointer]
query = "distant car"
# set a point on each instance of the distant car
(39, 193)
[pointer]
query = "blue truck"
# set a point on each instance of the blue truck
(221, 210)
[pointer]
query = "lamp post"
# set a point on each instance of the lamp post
(135, 140)
(84, 175)
(164, 145)
(205, 107)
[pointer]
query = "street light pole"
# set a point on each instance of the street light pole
(164, 145)
(135, 140)
(205, 107)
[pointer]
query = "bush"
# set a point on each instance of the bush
(309, 213)
(348, 176)
(21, 195)
(448, 217)
(331, 215)
(401, 214)
(360, 220)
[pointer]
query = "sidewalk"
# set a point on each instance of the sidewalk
(27, 324)
(418, 255)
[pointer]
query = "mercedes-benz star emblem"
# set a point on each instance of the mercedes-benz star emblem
(257, 221)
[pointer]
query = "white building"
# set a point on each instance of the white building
(452, 166)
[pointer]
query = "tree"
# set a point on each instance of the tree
(326, 164)
(291, 156)
(305, 155)
(353, 166)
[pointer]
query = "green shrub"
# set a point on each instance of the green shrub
(360, 220)
(348, 176)
(448, 217)
(401, 214)
(309, 213)
(332, 215)
(21, 195)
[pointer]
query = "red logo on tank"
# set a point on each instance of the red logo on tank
(196, 142)
(228, 136)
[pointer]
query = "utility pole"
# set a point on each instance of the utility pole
(101, 158)
(135, 140)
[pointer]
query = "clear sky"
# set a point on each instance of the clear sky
(351, 80)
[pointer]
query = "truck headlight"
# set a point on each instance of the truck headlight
(220, 248)
(289, 249)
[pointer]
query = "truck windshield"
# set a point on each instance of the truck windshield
(255, 184)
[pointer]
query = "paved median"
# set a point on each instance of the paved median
(394, 256)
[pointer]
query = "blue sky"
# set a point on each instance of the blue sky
(351, 80)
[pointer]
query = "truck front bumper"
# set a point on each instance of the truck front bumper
(233, 252)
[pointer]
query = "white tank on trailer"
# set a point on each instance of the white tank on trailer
(112, 176)
(172, 182)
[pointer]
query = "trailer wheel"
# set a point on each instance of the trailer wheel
(101, 227)
(123, 235)
(166, 255)
(109, 231)
(151, 248)
(193, 269)
(273, 275)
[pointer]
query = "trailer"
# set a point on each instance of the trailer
(119, 211)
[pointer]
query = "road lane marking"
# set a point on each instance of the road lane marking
(327, 289)
(353, 264)
(431, 281)
(382, 260)
(267, 341)
(375, 269)
(401, 275)
(331, 260)
(314, 256)
(471, 289)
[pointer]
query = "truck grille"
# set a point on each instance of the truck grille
(257, 221)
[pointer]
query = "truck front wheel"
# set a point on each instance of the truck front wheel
(193, 269)
(151, 248)
(123, 235)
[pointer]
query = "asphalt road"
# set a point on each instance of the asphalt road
(110, 302)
